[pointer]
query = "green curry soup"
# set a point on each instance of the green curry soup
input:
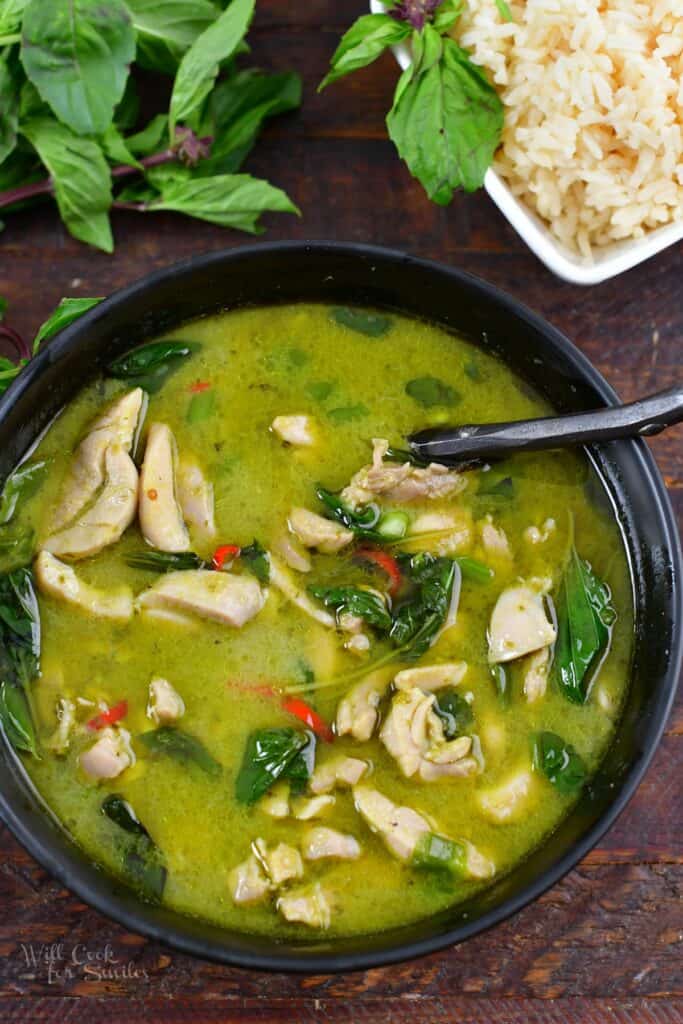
(299, 735)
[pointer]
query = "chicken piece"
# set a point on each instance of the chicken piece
(112, 512)
(66, 720)
(321, 843)
(218, 596)
(292, 553)
(315, 531)
(307, 905)
(357, 640)
(400, 828)
(297, 430)
(519, 625)
(164, 704)
(399, 483)
(116, 425)
(161, 519)
(431, 677)
(109, 756)
(340, 771)
(305, 809)
(508, 801)
(248, 882)
(534, 535)
(413, 734)
(536, 674)
(276, 801)
(282, 579)
(195, 497)
(281, 863)
(358, 643)
(494, 540)
(453, 532)
(60, 581)
(357, 713)
(476, 864)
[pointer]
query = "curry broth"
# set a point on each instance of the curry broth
(261, 363)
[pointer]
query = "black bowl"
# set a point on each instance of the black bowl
(358, 274)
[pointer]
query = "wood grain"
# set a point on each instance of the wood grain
(603, 947)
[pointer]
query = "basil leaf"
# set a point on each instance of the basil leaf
(9, 110)
(372, 325)
(364, 42)
(141, 859)
(504, 10)
(271, 754)
(16, 549)
(16, 719)
(255, 558)
(585, 616)
(447, 15)
(19, 486)
(20, 646)
(354, 601)
(437, 853)
(359, 521)
(231, 200)
(148, 366)
(166, 29)
(199, 67)
(454, 711)
(559, 762)
(66, 312)
(9, 371)
(77, 54)
(81, 176)
(237, 110)
(404, 455)
(446, 120)
(431, 391)
(164, 561)
(181, 746)
(122, 814)
(128, 108)
(348, 413)
(11, 13)
(151, 138)
(496, 487)
(474, 570)
(116, 148)
(419, 618)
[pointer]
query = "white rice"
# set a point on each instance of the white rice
(593, 95)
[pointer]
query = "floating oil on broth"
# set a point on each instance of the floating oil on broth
(250, 367)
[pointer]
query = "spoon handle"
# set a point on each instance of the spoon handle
(477, 441)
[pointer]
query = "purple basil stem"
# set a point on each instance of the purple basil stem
(415, 12)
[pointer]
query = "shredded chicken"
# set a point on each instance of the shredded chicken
(161, 519)
(296, 429)
(315, 531)
(281, 863)
(401, 828)
(276, 801)
(508, 801)
(248, 882)
(519, 625)
(307, 905)
(293, 553)
(195, 496)
(399, 483)
(60, 581)
(112, 511)
(116, 425)
(536, 674)
(305, 809)
(413, 734)
(534, 535)
(283, 580)
(321, 843)
(494, 540)
(218, 596)
(66, 720)
(340, 771)
(431, 677)
(453, 531)
(357, 713)
(164, 704)
(109, 756)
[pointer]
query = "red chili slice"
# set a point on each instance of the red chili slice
(109, 717)
(301, 710)
(385, 562)
(199, 386)
(225, 553)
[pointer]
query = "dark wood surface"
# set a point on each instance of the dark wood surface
(603, 947)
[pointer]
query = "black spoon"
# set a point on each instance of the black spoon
(474, 442)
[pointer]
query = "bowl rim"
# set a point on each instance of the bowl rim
(12, 809)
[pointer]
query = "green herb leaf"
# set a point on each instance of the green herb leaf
(231, 200)
(9, 109)
(474, 570)
(420, 617)
(16, 548)
(355, 601)
(141, 860)
(348, 413)
(359, 521)
(128, 108)
(364, 42)
(372, 325)
(559, 762)
(273, 754)
(66, 312)
(151, 138)
(16, 719)
(149, 366)
(164, 561)
(585, 617)
(122, 814)
(116, 148)
(19, 486)
(202, 406)
(437, 853)
(166, 29)
(496, 487)
(77, 54)
(81, 177)
(180, 746)
(255, 558)
(504, 10)
(454, 711)
(320, 390)
(405, 455)
(11, 13)
(447, 119)
(19, 657)
(199, 67)
(431, 391)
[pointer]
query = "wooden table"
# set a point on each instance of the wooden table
(606, 945)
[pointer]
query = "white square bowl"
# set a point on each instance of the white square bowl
(608, 261)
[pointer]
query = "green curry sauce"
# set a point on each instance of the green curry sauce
(250, 367)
